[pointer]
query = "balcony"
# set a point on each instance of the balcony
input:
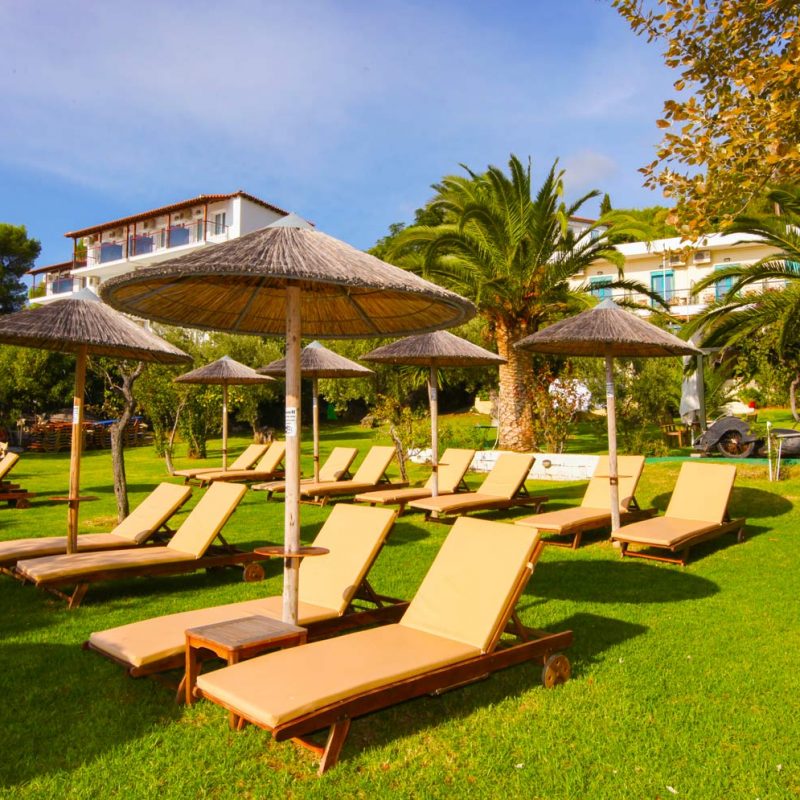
(153, 245)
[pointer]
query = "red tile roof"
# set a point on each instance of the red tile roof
(154, 212)
(64, 266)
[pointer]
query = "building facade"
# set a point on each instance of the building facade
(114, 248)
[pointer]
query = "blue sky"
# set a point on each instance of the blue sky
(344, 111)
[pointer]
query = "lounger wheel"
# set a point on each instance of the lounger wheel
(253, 573)
(556, 670)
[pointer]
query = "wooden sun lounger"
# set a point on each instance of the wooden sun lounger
(370, 475)
(697, 512)
(144, 523)
(189, 550)
(246, 460)
(13, 493)
(336, 468)
(453, 467)
(335, 595)
(266, 469)
(450, 635)
(503, 487)
(595, 509)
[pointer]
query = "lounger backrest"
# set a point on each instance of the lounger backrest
(702, 492)
(7, 463)
(598, 495)
(272, 458)
(470, 588)
(354, 535)
(453, 466)
(207, 518)
(375, 463)
(337, 463)
(152, 512)
(507, 475)
(249, 456)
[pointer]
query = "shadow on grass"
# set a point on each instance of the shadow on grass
(617, 582)
(66, 711)
(745, 501)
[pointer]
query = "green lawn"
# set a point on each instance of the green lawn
(685, 681)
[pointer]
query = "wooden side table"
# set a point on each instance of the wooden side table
(236, 640)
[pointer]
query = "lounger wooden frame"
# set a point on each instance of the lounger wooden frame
(13, 493)
(576, 531)
(401, 504)
(682, 549)
(530, 646)
(385, 482)
(521, 498)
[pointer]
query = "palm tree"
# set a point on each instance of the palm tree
(763, 295)
(512, 253)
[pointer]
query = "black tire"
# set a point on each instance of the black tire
(730, 445)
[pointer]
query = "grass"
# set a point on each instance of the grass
(682, 678)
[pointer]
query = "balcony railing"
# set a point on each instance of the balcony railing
(153, 241)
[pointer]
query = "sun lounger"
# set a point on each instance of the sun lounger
(697, 512)
(13, 493)
(595, 509)
(266, 469)
(449, 636)
(453, 467)
(503, 487)
(336, 467)
(335, 595)
(189, 550)
(246, 460)
(148, 519)
(370, 475)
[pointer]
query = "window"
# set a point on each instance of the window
(600, 287)
(219, 223)
(723, 285)
(663, 282)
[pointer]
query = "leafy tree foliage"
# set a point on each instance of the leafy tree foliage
(17, 254)
(735, 124)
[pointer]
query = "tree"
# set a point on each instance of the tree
(735, 127)
(764, 297)
(511, 251)
(17, 254)
(605, 205)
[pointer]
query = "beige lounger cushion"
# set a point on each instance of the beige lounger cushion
(466, 596)
(35, 547)
(267, 465)
(393, 496)
(289, 683)
(372, 468)
(151, 640)
(336, 465)
(7, 463)
(565, 518)
(246, 459)
(190, 542)
(663, 531)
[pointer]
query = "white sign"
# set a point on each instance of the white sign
(76, 414)
(291, 421)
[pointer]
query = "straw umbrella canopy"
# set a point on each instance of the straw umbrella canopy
(82, 325)
(316, 362)
(607, 331)
(288, 279)
(434, 350)
(223, 372)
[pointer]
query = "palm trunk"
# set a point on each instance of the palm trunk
(793, 397)
(514, 413)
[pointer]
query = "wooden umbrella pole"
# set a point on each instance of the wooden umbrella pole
(611, 411)
(224, 426)
(77, 446)
(292, 502)
(315, 422)
(433, 391)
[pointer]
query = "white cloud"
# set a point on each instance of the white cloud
(587, 169)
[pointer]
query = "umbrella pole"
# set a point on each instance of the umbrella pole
(224, 426)
(434, 400)
(315, 422)
(611, 411)
(75, 454)
(292, 503)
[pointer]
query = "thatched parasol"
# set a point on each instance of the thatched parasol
(607, 331)
(316, 362)
(434, 350)
(82, 324)
(267, 281)
(224, 372)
